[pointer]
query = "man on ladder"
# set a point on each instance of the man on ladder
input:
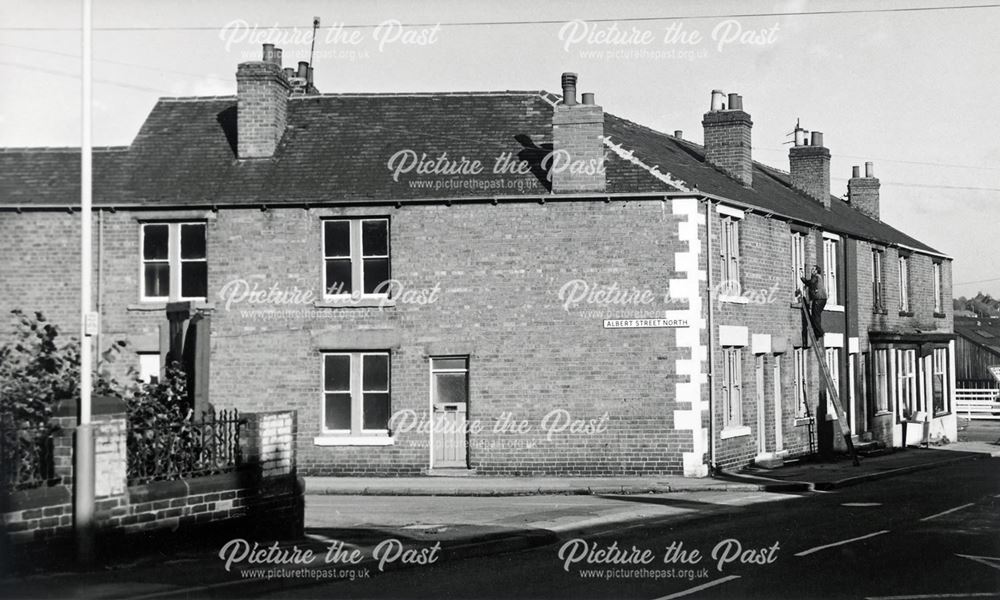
(812, 308)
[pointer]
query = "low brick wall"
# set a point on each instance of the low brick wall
(264, 497)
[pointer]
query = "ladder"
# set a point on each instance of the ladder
(845, 427)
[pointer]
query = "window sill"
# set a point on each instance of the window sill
(800, 421)
(161, 305)
(353, 440)
(938, 315)
(883, 413)
(879, 311)
(734, 299)
(833, 308)
(356, 302)
(734, 432)
(943, 413)
(906, 313)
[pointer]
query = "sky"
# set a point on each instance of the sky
(910, 90)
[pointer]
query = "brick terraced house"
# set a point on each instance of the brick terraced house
(508, 282)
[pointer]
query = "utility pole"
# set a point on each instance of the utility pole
(83, 471)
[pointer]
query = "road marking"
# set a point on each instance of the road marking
(989, 561)
(861, 504)
(841, 543)
(698, 588)
(931, 596)
(950, 510)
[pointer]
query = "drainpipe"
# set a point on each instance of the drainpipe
(100, 281)
(712, 467)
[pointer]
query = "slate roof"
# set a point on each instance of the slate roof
(337, 147)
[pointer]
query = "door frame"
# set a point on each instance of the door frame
(761, 405)
(431, 412)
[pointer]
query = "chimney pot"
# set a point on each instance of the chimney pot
(569, 89)
(869, 169)
(303, 69)
(817, 138)
(588, 98)
(309, 75)
(717, 104)
(733, 101)
(855, 171)
(800, 136)
(268, 53)
(289, 72)
(679, 134)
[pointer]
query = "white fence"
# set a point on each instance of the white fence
(983, 403)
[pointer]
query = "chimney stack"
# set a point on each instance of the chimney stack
(810, 166)
(862, 192)
(727, 137)
(261, 105)
(577, 160)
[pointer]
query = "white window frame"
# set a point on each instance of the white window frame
(357, 257)
(938, 291)
(832, 358)
(732, 393)
(801, 374)
(904, 283)
(878, 282)
(357, 434)
(831, 248)
(174, 261)
(798, 257)
(729, 251)
(906, 381)
(880, 367)
(940, 369)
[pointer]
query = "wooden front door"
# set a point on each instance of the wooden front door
(450, 445)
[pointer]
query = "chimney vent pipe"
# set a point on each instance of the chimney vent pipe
(569, 89)
(588, 98)
(268, 53)
(717, 104)
(869, 169)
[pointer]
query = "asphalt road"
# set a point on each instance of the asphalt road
(929, 534)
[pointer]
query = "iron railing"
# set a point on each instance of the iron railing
(26, 455)
(184, 449)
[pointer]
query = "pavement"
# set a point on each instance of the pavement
(809, 474)
(518, 486)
